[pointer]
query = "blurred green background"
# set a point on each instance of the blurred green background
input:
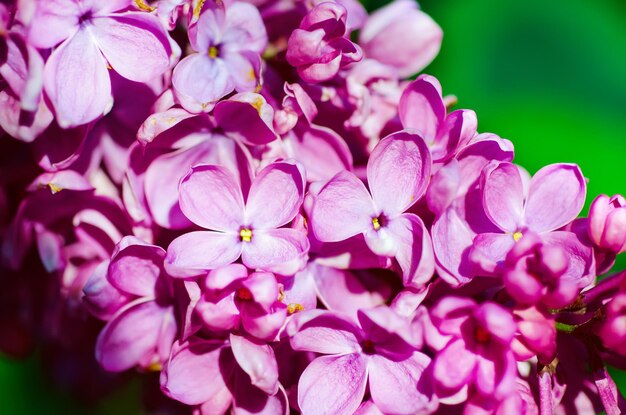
(549, 75)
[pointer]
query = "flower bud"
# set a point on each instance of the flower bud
(607, 223)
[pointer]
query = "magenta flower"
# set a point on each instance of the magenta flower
(217, 374)
(234, 299)
(398, 172)
(533, 273)
(142, 332)
(551, 200)
(211, 198)
(402, 36)
(613, 331)
(92, 37)
(607, 223)
(228, 41)
(422, 109)
(377, 352)
(318, 49)
(478, 353)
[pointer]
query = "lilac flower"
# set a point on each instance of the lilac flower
(533, 273)
(421, 108)
(386, 33)
(398, 172)
(607, 223)
(613, 331)
(233, 298)
(216, 374)
(228, 41)
(551, 200)
(318, 49)
(142, 332)
(478, 353)
(377, 352)
(92, 36)
(211, 198)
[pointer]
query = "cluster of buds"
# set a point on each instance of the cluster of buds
(252, 200)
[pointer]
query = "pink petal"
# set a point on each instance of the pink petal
(503, 196)
(343, 208)
(580, 260)
(421, 107)
(247, 117)
(414, 250)
(53, 22)
(208, 27)
(131, 337)
(402, 36)
(452, 239)
(556, 196)
(275, 196)
(194, 373)
(333, 385)
(245, 29)
(398, 172)
(453, 366)
(195, 253)
(490, 249)
(282, 251)
(396, 386)
(250, 400)
(245, 68)
(211, 197)
(258, 361)
(323, 332)
(77, 81)
(134, 43)
(199, 81)
(135, 267)
(321, 150)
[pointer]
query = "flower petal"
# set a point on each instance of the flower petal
(414, 251)
(453, 366)
(195, 372)
(195, 253)
(131, 337)
(211, 197)
(503, 196)
(275, 196)
(77, 81)
(556, 196)
(199, 81)
(282, 251)
(421, 107)
(322, 331)
(333, 385)
(257, 359)
(134, 43)
(398, 172)
(396, 386)
(135, 266)
(343, 208)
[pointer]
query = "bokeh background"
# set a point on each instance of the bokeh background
(549, 75)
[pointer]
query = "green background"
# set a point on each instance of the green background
(548, 75)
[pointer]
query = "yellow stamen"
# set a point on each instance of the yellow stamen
(198, 8)
(213, 52)
(54, 188)
(376, 223)
(155, 367)
(281, 292)
(143, 6)
(246, 235)
(517, 236)
(294, 308)
(258, 88)
(257, 104)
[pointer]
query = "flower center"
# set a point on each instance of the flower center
(245, 234)
(244, 294)
(517, 236)
(368, 347)
(481, 335)
(294, 308)
(379, 221)
(213, 52)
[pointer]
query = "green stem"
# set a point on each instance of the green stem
(566, 328)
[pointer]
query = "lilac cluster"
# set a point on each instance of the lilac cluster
(251, 199)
